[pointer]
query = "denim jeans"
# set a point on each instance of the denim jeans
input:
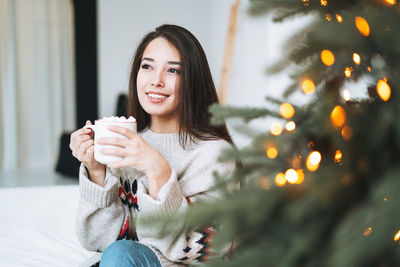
(124, 253)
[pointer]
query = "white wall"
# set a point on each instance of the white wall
(259, 42)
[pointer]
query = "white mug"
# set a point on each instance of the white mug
(100, 129)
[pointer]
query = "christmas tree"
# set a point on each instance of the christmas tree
(322, 188)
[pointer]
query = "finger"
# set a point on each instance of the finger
(89, 154)
(123, 131)
(88, 122)
(113, 151)
(84, 146)
(112, 141)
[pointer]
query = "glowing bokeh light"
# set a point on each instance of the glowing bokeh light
(339, 18)
(280, 179)
(313, 160)
(308, 86)
(324, 3)
(346, 95)
(272, 152)
(286, 110)
(347, 132)
(290, 126)
(367, 231)
(383, 90)
(338, 116)
(390, 2)
(338, 156)
(291, 176)
(300, 174)
(327, 57)
(397, 236)
(347, 72)
(328, 17)
(276, 128)
(362, 26)
(356, 58)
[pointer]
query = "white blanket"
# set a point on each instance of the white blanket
(37, 227)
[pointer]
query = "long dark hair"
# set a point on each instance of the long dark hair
(196, 93)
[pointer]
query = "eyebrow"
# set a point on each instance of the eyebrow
(169, 62)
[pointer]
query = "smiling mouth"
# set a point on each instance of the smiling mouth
(156, 95)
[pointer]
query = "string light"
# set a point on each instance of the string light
(347, 132)
(385, 199)
(306, 2)
(346, 95)
(356, 58)
(362, 26)
(348, 71)
(324, 3)
(397, 236)
(290, 126)
(308, 86)
(367, 231)
(286, 110)
(369, 69)
(328, 17)
(327, 57)
(338, 116)
(313, 160)
(291, 176)
(276, 128)
(272, 152)
(280, 179)
(383, 89)
(338, 156)
(339, 18)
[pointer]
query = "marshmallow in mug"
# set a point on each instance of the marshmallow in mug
(101, 130)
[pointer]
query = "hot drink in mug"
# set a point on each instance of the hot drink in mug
(100, 129)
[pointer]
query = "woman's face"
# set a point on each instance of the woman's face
(159, 78)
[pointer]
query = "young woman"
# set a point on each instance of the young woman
(167, 166)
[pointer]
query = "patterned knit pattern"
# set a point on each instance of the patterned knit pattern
(120, 209)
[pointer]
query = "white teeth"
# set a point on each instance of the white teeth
(157, 96)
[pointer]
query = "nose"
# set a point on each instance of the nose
(158, 79)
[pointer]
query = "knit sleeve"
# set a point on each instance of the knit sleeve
(101, 214)
(171, 203)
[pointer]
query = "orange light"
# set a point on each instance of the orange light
(383, 89)
(369, 69)
(362, 26)
(272, 152)
(346, 95)
(390, 2)
(291, 176)
(308, 86)
(300, 174)
(313, 160)
(328, 17)
(286, 110)
(347, 132)
(356, 58)
(338, 156)
(339, 18)
(367, 231)
(347, 72)
(327, 57)
(276, 128)
(397, 236)
(280, 179)
(338, 116)
(324, 3)
(290, 126)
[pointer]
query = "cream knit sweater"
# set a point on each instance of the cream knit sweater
(120, 208)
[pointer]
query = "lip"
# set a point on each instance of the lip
(156, 100)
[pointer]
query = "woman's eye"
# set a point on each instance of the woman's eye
(174, 71)
(146, 66)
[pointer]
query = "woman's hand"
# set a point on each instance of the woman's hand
(137, 153)
(82, 146)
